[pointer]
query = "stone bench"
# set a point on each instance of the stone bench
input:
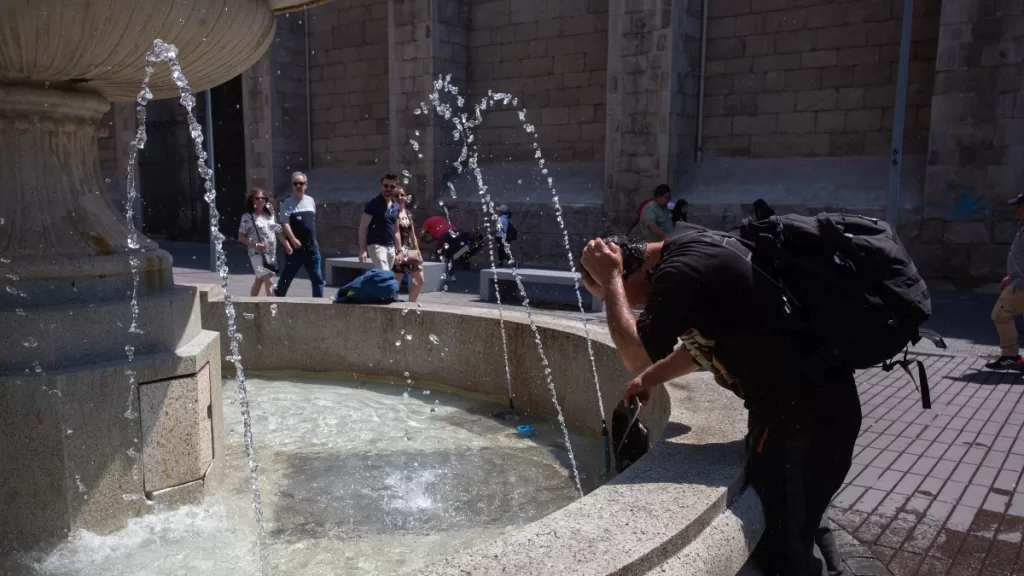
(536, 277)
(341, 271)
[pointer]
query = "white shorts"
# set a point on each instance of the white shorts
(383, 257)
(257, 266)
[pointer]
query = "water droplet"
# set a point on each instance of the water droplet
(426, 392)
(408, 336)
(5, 260)
(12, 289)
(19, 311)
(37, 368)
(30, 342)
(273, 310)
(248, 315)
(417, 112)
(405, 394)
(404, 312)
(398, 342)
(434, 339)
(129, 350)
(406, 374)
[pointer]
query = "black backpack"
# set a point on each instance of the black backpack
(848, 282)
(511, 234)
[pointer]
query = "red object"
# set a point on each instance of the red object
(643, 205)
(437, 226)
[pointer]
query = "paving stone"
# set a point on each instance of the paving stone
(938, 492)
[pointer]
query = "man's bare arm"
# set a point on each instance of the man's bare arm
(654, 228)
(622, 325)
(288, 232)
(364, 225)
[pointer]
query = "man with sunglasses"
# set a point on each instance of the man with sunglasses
(378, 233)
(298, 219)
(706, 291)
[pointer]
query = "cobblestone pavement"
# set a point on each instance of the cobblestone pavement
(939, 491)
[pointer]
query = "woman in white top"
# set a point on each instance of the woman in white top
(258, 231)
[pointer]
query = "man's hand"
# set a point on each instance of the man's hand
(296, 244)
(287, 249)
(260, 246)
(1004, 284)
(602, 261)
(637, 388)
(362, 257)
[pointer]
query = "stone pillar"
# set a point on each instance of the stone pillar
(976, 144)
(426, 39)
(78, 445)
(256, 87)
(274, 97)
(651, 68)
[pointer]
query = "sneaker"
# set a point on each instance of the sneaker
(1006, 363)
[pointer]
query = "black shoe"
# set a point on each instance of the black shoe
(1007, 363)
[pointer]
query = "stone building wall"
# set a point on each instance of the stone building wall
(814, 77)
(349, 83)
(553, 55)
(288, 99)
(976, 148)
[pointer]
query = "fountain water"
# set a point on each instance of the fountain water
(464, 126)
(167, 53)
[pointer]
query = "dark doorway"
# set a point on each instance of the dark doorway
(229, 154)
(173, 203)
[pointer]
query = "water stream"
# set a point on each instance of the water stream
(464, 125)
(167, 53)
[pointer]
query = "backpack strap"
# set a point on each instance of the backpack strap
(926, 396)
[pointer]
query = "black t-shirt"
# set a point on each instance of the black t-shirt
(708, 293)
(382, 221)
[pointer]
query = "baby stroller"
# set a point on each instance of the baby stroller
(459, 248)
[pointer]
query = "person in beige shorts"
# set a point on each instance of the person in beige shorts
(1011, 299)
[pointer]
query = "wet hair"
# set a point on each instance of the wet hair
(662, 190)
(389, 176)
(633, 250)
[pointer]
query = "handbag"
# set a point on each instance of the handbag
(268, 264)
(414, 257)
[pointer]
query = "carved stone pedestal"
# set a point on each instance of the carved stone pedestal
(98, 424)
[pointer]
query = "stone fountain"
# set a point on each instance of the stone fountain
(98, 424)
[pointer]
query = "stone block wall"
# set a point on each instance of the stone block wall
(288, 100)
(976, 148)
(349, 83)
(552, 55)
(685, 88)
(814, 77)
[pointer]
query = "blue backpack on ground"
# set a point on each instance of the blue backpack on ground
(373, 287)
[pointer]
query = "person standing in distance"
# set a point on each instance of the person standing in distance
(378, 234)
(298, 218)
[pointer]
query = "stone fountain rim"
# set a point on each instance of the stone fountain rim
(683, 505)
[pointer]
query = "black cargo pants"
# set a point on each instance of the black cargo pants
(796, 466)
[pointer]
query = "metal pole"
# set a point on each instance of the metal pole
(309, 107)
(896, 159)
(213, 178)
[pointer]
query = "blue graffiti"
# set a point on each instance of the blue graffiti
(962, 204)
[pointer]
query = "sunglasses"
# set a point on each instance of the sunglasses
(298, 183)
(259, 198)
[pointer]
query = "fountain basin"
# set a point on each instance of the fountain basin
(359, 476)
(682, 509)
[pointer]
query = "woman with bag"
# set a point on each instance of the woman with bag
(408, 259)
(258, 230)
